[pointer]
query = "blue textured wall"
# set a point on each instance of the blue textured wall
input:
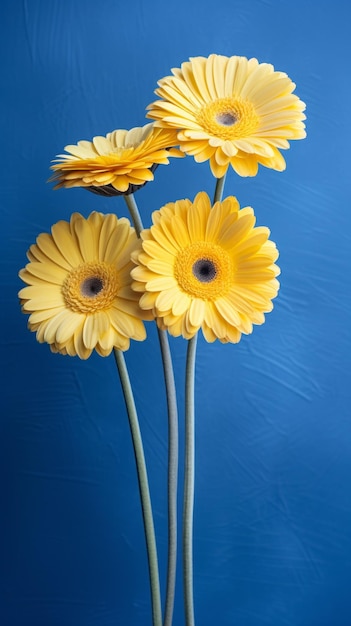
(273, 476)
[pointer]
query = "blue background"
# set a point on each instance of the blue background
(272, 524)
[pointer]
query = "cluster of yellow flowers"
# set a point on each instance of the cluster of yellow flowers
(92, 282)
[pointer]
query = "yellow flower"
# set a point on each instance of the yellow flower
(119, 163)
(230, 110)
(206, 268)
(79, 292)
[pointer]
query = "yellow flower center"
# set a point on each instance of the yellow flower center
(91, 287)
(204, 270)
(118, 154)
(228, 118)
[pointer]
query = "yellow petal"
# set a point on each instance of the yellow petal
(165, 299)
(43, 315)
(147, 301)
(181, 230)
(181, 303)
(215, 321)
(47, 245)
(197, 217)
(46, 301)
(102, 145)
(208, 333)
(41, 291)
(66, 243)
(48, 272)
(228, 312)
(52, 326)
(88, 242)
(218, 170)
(123, 323)
(81, 350)
(70, 324)
(236, 231)
(162, 237)
(197, 312)
(161, 283)
(116, 243)
(246, 166)
(95, 325)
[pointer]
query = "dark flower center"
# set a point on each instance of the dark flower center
(91, 286)
(204, 270)
(226, 119)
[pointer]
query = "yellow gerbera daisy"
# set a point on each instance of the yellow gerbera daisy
(119, 163)
(206, 268)
(79, 292)
(230, 110)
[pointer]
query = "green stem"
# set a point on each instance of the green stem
(143, 488)
(219, 189)
(189, 481)
(172, 445)
(134, 213)
(189, 472)
(172, 476)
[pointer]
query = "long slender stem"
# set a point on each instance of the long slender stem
(143, 488)
(172, 445)
(189, 481)
(172, 476)
(189, 474)
(134, 213)
(219, 189)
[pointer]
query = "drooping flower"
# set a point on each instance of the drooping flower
(117, 164)
(230, 110)
(206, 268)
(79, 293)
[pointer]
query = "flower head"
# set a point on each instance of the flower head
(206, 268)
(230, 110)
(119, 163)
(79, 294)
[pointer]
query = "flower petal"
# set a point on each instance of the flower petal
(222, 276)
(230, 110)
(73, 296)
